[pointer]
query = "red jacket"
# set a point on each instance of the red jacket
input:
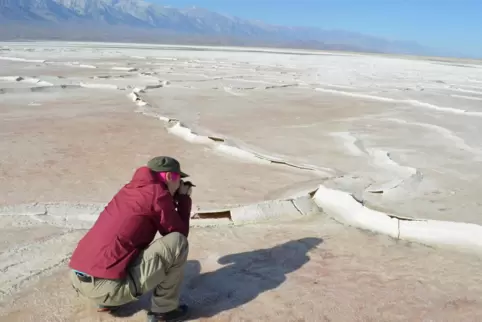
(128, 224)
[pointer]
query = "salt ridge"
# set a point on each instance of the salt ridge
(449, 135)
(22, 59)
(411, 102)
(175, 127)
(339, 205)
(380, 159)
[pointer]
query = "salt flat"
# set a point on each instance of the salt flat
(400, 133)
(316, 270)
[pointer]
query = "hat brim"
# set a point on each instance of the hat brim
(183, 174)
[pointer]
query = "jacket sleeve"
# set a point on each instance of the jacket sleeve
(170, 219)
(184, 204)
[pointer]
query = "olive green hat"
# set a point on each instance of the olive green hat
(166, 164)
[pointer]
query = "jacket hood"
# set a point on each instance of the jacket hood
(143, 176)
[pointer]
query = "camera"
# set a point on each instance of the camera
(188, 183)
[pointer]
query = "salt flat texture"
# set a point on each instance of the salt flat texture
(316, 270)
(388, 144)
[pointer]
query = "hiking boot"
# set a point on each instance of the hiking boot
(177, 315)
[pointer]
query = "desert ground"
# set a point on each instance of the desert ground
(402, 134)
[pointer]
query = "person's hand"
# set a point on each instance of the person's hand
(185, 188)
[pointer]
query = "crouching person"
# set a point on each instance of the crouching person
(117, 261)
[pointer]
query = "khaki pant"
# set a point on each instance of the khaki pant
(160, 267)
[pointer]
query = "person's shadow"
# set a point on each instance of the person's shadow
(245, 276)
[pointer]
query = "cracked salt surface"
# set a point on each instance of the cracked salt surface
(231, 65)
(330, 72)
(364, 130)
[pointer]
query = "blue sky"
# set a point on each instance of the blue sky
(445, 24)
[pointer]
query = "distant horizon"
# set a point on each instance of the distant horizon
(240, 48)
(451, 26)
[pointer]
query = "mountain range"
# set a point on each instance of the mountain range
(140, 21)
